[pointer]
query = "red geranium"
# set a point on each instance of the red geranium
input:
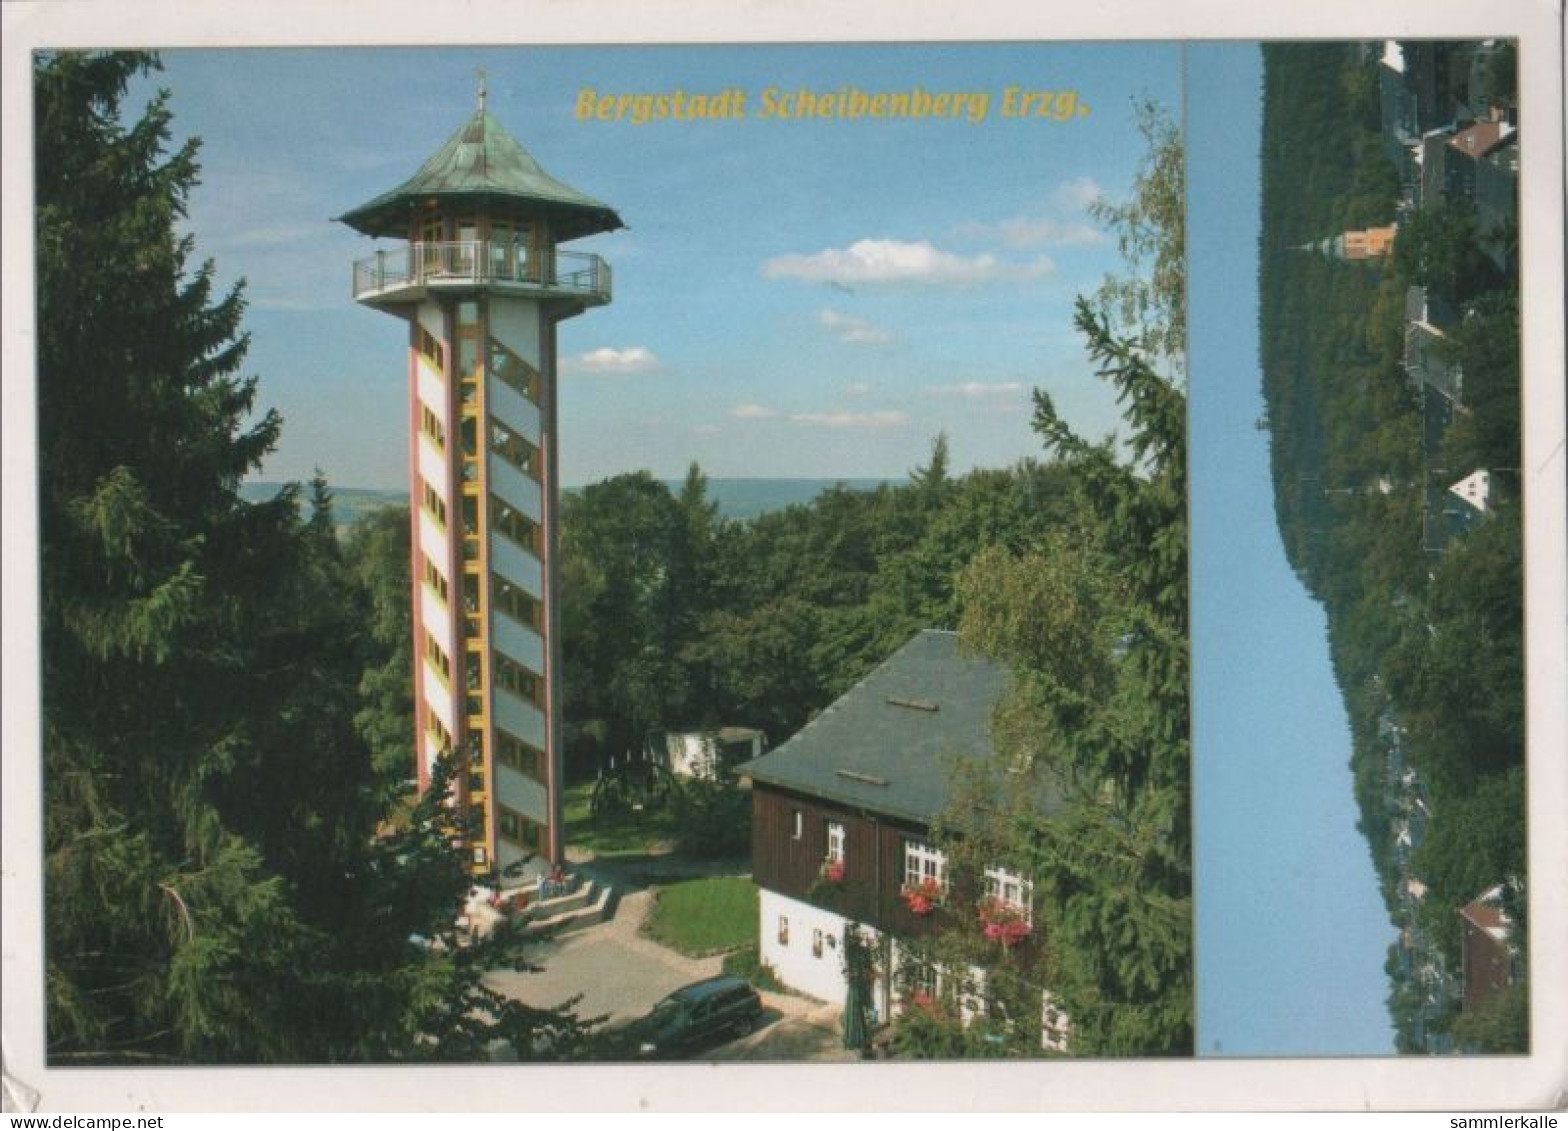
(1004, 922)
(923, 898)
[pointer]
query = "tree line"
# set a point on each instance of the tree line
(676, 618)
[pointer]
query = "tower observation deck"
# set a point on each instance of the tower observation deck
(480, 280)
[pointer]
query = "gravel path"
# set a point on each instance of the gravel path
(619, 974)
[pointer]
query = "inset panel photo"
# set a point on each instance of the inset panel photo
(1358, 570)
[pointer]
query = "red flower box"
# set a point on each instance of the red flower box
(1004, 923)
(924, 897)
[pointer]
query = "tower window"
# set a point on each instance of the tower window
(430, 424)
(434, 579)
(512, 676)
(514, 449)
(515, 525)
(514, 752)
(513, 371)
(435, 504)
(431, 348)
(514, 602)
(438, 659)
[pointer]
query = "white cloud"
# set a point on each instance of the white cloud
(899, 261)
(856, 331)
(858, 388)
(979, 390)
(886, 418)
(752, 412)
(1059, 224)
(1076, 195)
(633, 359)
(705, 429)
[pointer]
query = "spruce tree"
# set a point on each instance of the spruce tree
(152, 897)
(1093, 622)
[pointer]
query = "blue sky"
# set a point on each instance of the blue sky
(1291, 930)
(792, 298)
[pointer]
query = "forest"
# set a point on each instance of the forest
(230, 874)
(1427, 643)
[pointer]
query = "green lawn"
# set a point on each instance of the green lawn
(628, 833)
(700, 917)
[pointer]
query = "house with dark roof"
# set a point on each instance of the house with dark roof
(1488, 952)
(842, 816)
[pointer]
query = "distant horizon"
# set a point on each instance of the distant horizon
(737, 498)
(402, 489)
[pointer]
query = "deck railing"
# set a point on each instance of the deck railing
(476, 262)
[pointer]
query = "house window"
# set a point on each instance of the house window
(836, 840)
(1012, 889)
(816, 944)
(783, 930)
(797, 825)
(921, 863)
(921, 982)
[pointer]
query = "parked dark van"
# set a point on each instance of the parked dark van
(698, 1015)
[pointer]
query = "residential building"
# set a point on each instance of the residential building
(706, 753)
(1497, 202)
(1428, 358)
(842, 816)
(477, 275)
(1489, 956)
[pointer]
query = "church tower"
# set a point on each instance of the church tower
(481, 282)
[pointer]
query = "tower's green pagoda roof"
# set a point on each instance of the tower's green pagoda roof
(482, 164)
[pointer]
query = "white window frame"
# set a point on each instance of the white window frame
(797, 825)
(837, 839)
(1011, 889)
(923, 862)
(926, 978)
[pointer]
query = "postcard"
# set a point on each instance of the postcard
(1011, 557)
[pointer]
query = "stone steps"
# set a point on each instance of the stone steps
(589, 903)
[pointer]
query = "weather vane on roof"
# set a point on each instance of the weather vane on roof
(480, 71)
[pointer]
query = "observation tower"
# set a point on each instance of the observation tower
(481, 282)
